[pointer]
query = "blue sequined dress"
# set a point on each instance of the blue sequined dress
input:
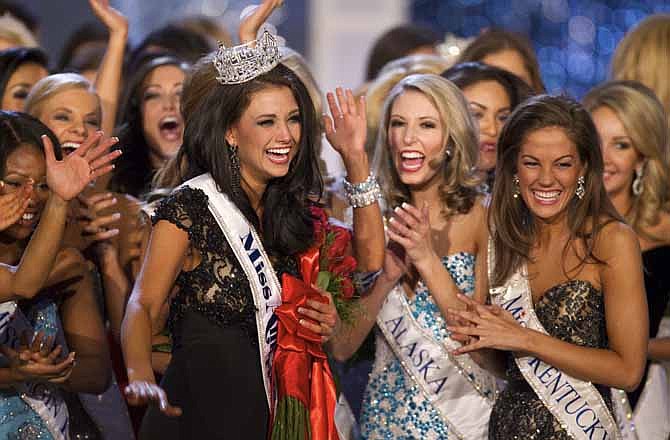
(393, 407)
(18, 421)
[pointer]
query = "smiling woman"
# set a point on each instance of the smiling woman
(152, 127)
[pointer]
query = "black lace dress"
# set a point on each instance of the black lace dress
(215, 374)
(573, 311)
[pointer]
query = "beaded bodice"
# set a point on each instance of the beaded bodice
(393, 407)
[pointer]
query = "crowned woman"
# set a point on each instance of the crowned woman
(234, 238)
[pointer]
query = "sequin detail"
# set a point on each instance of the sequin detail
(17, 420)
(573, 311)
(393, 406)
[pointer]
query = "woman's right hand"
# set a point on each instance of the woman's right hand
(38, 362)
(13, 204)
(142, 392)
(252, 22)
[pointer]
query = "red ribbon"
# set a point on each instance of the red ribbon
(301, 368)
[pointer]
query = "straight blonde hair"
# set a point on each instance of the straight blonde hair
(52, 85)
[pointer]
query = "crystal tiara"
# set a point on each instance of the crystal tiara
(246, 61)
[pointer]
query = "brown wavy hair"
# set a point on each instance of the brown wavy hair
(511, 223)
(458, 190)
(644, 120)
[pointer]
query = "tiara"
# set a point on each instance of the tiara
(246, 61)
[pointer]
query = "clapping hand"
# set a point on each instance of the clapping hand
(38, 361)
(97, 227)
(410, 228)
(485, 326)
(68, 177)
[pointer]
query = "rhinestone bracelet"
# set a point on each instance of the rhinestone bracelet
(363, 194)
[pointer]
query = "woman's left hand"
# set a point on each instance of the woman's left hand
(347, 129)
(323, 318)
(488, 327)
(68, 177)
(252, 22)
(410, 228)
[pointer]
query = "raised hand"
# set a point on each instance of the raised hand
(113, 20)
(94, 225)
(410, 228)
(252, 22)
(68, 177)
(140, 392)
(14, 204)
(347, 129)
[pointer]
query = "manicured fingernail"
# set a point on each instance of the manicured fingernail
(301, 310)
(116, 215)
(404, 205)
(301, 322)
(396, 209)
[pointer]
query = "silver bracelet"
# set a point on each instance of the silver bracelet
(360, 195)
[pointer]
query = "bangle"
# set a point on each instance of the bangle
(363, 194)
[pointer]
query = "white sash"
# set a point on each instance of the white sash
(576, 404)
(651, 418)
(249, 251)
(460, 391)
(43, 398)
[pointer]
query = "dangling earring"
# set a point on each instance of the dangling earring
(581, 189)
(447, 153)
(637, 182)
(234, 167)
(517, 190)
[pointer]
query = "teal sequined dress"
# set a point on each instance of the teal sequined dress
(393, 407)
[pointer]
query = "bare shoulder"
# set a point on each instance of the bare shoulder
(617, 239)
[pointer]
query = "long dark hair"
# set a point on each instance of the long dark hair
(18, 129)
(209, 110)
(12, 59)
(133, 170)
(510, 221)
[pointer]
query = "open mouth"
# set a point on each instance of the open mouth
(28, 219)
(547, 197)
(411, 161)
(170, 128)
(487, 147)
(278, 155)
(70, 146)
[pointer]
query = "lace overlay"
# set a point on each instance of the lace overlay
(217, 287)
(573, 311)
(393, 407)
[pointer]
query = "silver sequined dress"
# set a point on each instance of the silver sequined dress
(393, 407)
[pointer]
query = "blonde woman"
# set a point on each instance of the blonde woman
(425, 158)
(642, 56)
(634, 136)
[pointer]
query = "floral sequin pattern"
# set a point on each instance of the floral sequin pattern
(574, 312)
(393, 406)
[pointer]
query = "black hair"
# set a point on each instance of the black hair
(12, 59)
(397, 43)
(210, 109)
(18, 129)
(464, 75)
(174, 40)
(86, 33)
(133, 171)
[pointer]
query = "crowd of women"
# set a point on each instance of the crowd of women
(176, 264)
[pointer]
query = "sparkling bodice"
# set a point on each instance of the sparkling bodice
(393, 407)
(574, 312)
